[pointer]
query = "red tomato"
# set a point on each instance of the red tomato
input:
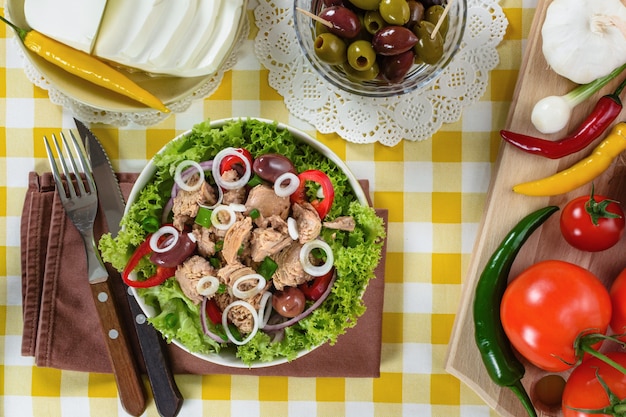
(618, 300)
(592, 223)
(583, 389)
(548, 306)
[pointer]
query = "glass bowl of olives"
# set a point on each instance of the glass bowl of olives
(379, 48)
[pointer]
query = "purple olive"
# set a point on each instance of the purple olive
(393, 40)
(271, 166)
(393, 68)
(346, 23)
(176, 255)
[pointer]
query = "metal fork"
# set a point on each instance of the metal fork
(80, 202)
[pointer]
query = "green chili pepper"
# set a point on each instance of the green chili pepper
(267, 268)
(501, 363)
(255, 214)
(150, 224)
(203, 218)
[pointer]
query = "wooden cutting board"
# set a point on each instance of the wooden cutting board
(504, 208)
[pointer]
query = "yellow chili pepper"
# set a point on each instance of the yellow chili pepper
(85, 66)
(583, 171)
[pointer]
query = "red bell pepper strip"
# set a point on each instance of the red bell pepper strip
(213, 312)
(162, 273)
(299, 196)
(314, 289)
(233, 162)
(604, 113)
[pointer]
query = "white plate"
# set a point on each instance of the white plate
(74, 92)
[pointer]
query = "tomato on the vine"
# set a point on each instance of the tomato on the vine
(618, 300)
(584, 390)
(548, 306)
(592, 223)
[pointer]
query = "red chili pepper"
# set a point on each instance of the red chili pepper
(234, 162)
(213, 312)
(604, 113)
(162, 273)
(314, 289)
(299, 196)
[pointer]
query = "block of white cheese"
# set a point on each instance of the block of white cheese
(185, 38)
(72, 22)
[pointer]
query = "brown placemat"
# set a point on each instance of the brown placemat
(61, 329)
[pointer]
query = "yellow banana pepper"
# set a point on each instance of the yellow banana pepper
(86, 67)
(583, 171)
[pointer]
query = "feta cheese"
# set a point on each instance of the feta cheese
(72, 22)
(185, 38)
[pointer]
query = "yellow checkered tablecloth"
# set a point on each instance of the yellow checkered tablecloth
(434, 191)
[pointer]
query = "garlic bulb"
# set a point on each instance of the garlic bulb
(584, 39)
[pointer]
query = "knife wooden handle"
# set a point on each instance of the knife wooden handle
(167, 397)
(127, 376)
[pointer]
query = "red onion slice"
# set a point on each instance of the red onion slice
(182, 182)
(217, 176)
(305, 313)
(315, 270)
(260, 284)
(292, 183)
(215, 220)
(255, 319)
(169, 243)
(207, 285)
(205, 325)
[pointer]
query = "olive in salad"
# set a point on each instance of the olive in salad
(248, 239)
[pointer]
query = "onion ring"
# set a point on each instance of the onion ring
(217, 176)
(204, 324)
(255, 319)
(216, 221)
(241, 294)
(203, 289)
(265, 309)
(292, 227)
(291, 187)
(170, 243)
(315, 270)
(181, 181)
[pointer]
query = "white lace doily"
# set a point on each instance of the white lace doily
(90, 114)
(414, 116)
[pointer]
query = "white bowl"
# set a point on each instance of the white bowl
(227, 357)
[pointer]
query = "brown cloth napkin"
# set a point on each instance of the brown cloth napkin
(61, 329)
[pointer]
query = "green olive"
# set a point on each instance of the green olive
(373, 21)
(429, 50)
(366, 4)
(320, 28)
(432, 15)
(330, 48)
(366, 75)
(395, 12)
(361, 55)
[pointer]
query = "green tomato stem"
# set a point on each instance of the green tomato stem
(584, 91)
(588, 349)
(20, 32)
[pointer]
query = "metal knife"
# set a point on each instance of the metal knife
(167, 397)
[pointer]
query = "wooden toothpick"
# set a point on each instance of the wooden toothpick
(441, 19)
(315, 17)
